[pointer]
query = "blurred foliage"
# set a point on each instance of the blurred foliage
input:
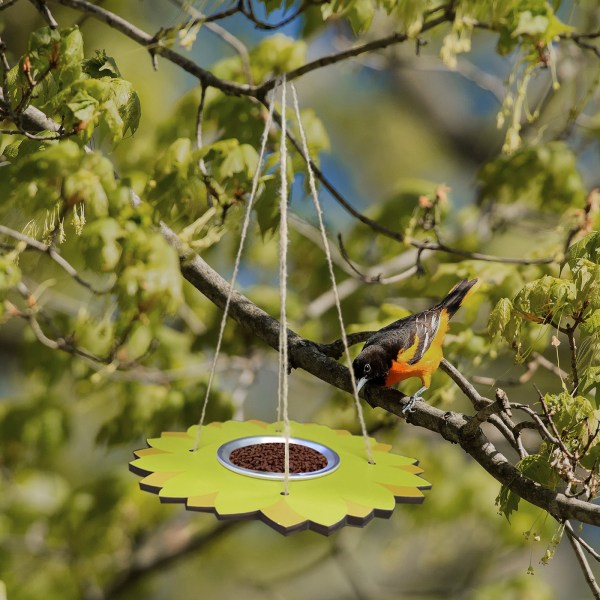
(140, 340)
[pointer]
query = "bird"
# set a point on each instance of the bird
(410, 347)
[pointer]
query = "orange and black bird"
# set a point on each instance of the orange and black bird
(410, 347)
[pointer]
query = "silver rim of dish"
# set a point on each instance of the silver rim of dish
(224, 457)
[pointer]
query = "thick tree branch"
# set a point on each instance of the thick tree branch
(450, 425)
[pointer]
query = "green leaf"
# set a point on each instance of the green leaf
(587, 248)
(360, 15)
(545, 298)
(537, 468)
(507, 502)
(102, 249)
(101, 65)
(575, 418)
(267, 207)
(244, 158)
(500, 317)
(96, 336)
(276, 54)
(137, 344)
(590, 378)
(83, 106)
(587, 281)
(10, 273)
(71, 47)
(543, 176)
(530, 24)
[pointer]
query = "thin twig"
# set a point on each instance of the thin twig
(537, 423)
(155, 46)
(53, 254)
(378, 278)
(155, 555)
(573, 349)
(582, 560)
(43, 9)
(589, 549)
(399, 236)
(466, 387)
(579, 41)
(38, 138)
(210, 192)
(220, 31)
(508, 433)
(249, 14)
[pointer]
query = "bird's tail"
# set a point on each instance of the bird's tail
(457, 295)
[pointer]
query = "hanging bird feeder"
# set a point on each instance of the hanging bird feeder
(319, 478)
(349, 491)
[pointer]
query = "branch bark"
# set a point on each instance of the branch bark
(307, 355)
(582, 560)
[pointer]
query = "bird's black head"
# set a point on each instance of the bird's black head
(371, 365)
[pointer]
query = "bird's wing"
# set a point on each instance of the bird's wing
(408, 339)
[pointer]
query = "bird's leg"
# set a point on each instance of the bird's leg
(409, 407)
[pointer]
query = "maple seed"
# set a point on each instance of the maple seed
(425, 202)
(441, 193)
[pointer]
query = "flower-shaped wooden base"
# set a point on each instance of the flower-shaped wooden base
(352, 495)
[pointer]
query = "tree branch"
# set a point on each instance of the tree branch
(53, 254)
(43, 9)
(152, 555)
(155, 47)
(450, 425)
(573, 350)
(582, 560)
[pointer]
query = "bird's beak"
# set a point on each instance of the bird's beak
(360, 383)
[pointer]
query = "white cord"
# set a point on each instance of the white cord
(315, 197)
(283, 247)
(236, 266)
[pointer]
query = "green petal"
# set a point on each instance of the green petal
(186, 485)
(312, 506)
(249, 499)
(358, 490)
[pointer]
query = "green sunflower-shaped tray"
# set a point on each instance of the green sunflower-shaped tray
(352, 494)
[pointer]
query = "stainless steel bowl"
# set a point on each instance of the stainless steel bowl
(224, 454)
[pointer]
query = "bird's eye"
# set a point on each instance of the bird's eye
(367, 368)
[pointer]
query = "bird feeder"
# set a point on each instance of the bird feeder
(347, 491)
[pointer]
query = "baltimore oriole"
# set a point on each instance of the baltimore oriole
(410, 347)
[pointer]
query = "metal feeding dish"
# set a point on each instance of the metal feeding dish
(224, 457)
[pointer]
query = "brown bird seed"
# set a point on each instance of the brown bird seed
(269, 457)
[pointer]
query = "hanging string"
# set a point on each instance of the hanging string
(317, 204)
(236, 266)
(283, 247)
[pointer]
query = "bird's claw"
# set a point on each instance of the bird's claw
(409, 407)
